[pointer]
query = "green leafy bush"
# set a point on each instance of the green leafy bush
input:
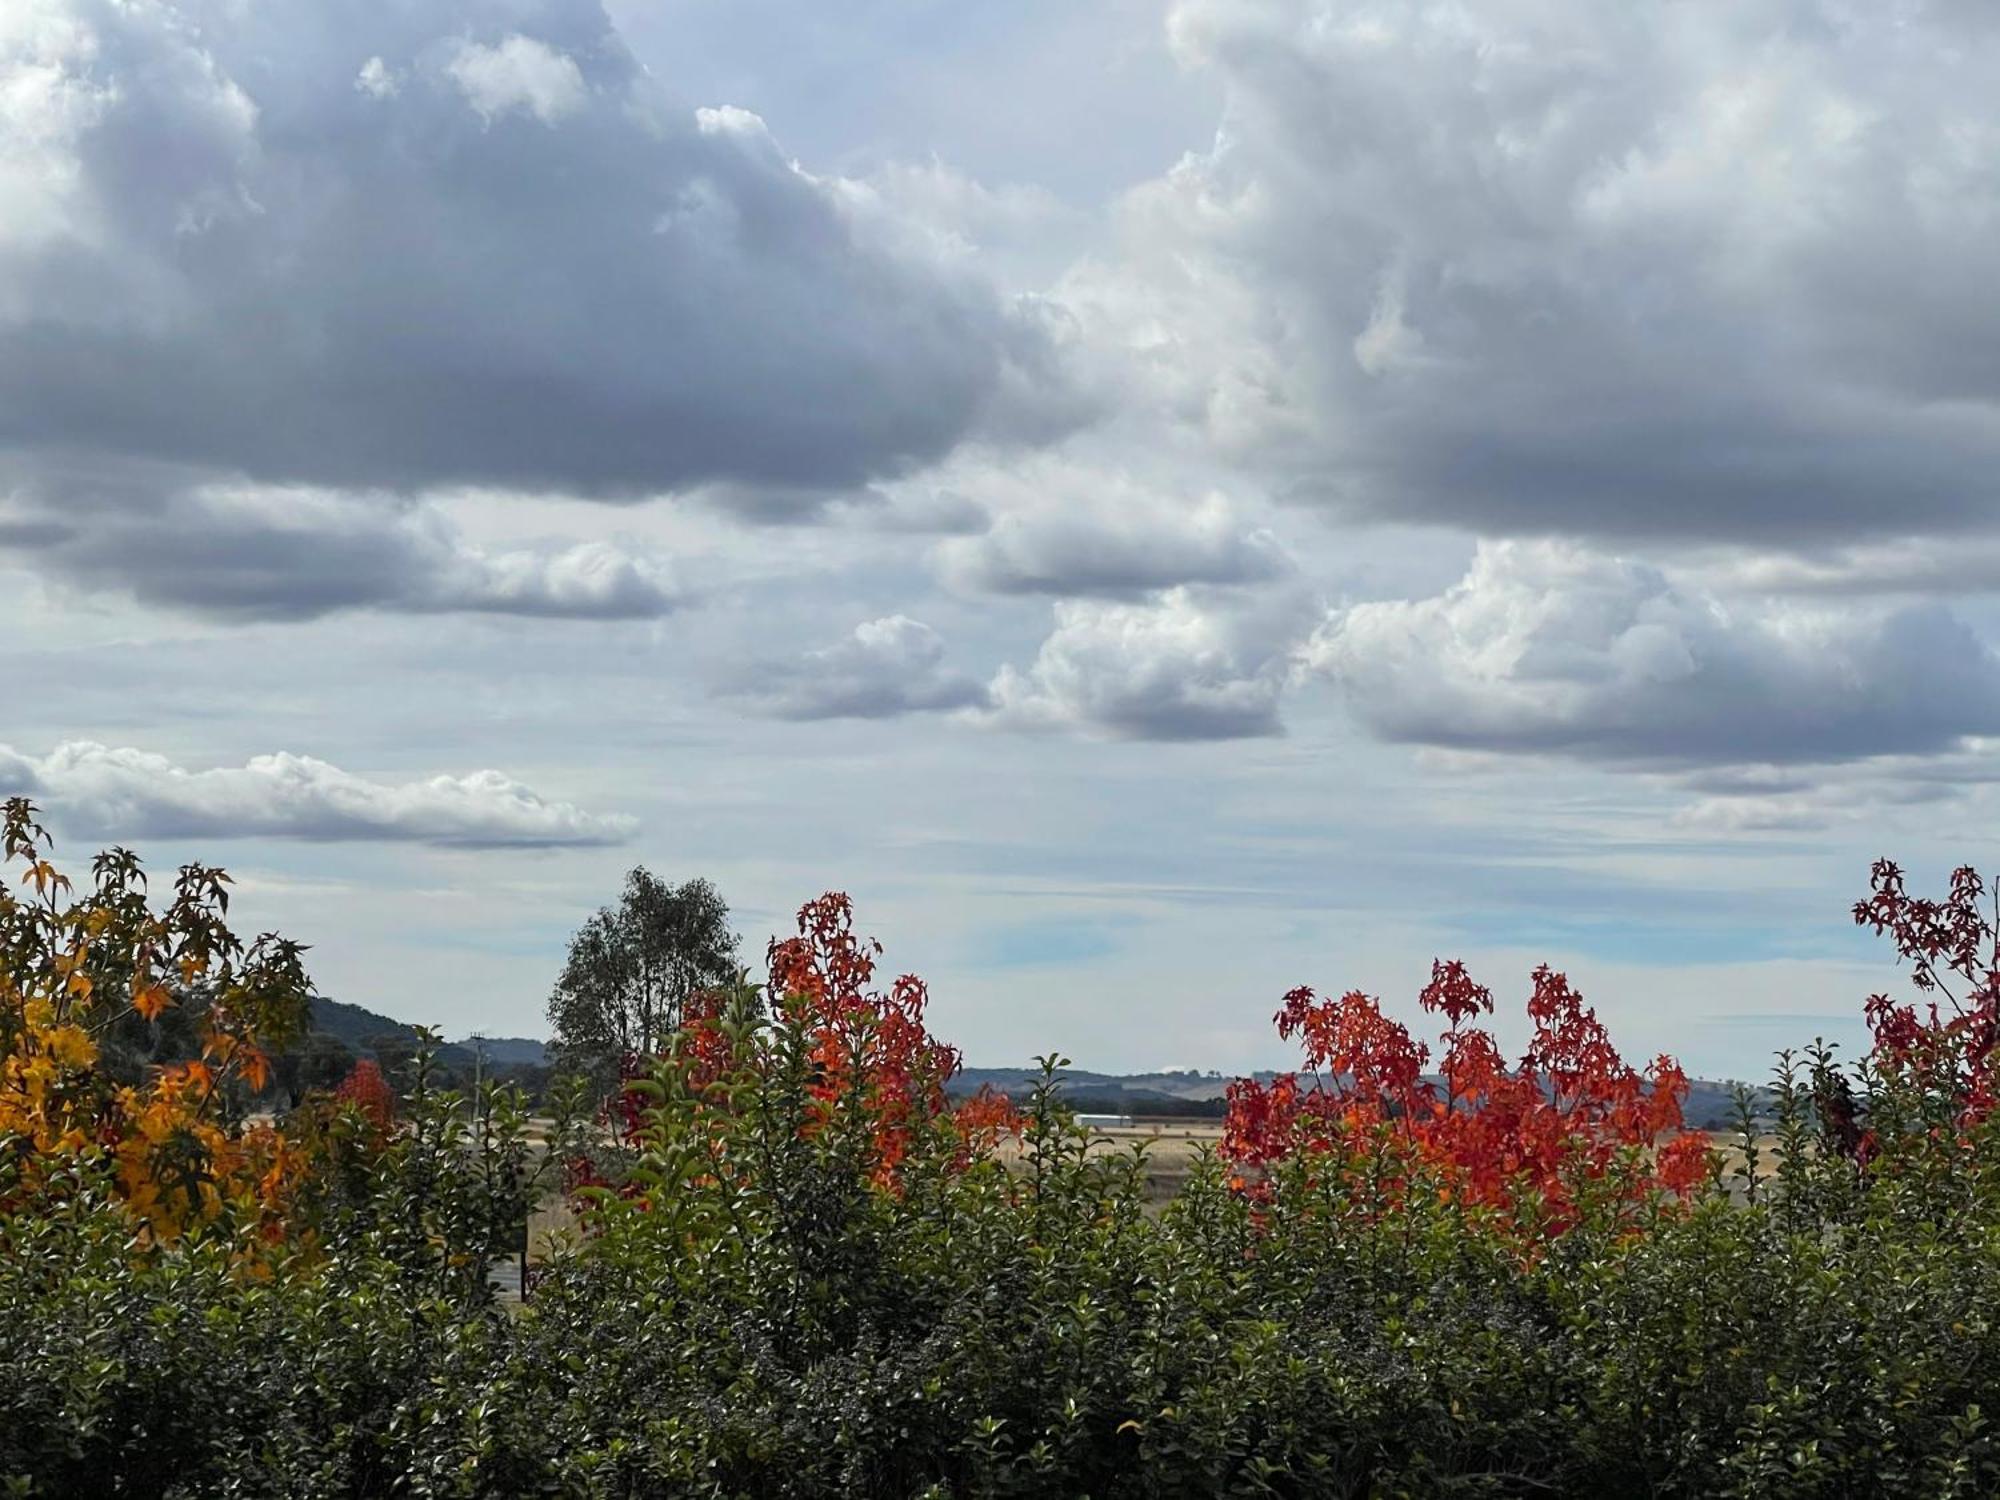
(801, 1272)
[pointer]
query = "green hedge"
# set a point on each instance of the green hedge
(1020, 1329)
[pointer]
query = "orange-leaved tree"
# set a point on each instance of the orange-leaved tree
(1569, 1119)
(74, 964)
(871, 1050)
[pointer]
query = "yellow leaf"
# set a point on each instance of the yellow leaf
(70, 1046)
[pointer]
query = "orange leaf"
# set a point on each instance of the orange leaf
(149, 1000)
(256, 1068)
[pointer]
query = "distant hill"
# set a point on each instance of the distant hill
(1187, 1092)
(510, 1051)
(1709, 1104)
(355, 1024)
(1017, 1081)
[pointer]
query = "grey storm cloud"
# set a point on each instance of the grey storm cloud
(1793, 799)
(1552, 648)
(1671, 271)
(453, 242)
(1093, 535)
(885, 668)
(127, 793)
(1914, 565)
(248, 552)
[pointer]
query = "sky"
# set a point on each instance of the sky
(1161, 502)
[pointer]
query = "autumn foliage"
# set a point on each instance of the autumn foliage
(1570, 1116)
(368, 1092)
(870, 1049)
(865, 1062)
(75, 963)
(800, 1268)
(1947, 1050)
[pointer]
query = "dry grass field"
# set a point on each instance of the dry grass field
(1172, 1148)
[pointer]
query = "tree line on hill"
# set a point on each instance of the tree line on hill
(630, 972)
(339, 1036)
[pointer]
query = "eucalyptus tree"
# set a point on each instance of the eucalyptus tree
(633, 967)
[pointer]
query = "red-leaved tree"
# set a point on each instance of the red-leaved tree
(871, 1049)
(1570, 1114)
(872, 1066)
(1945, 1051)
(368, 1091)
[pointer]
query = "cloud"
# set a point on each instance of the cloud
(494, 253)
(518, 74)
(1947, 790)
(126, 793)
(923, 509)
(1761, 815)
(1068, 529)
(1688, 272)
(886, 668)
(1552, 647)
(1919, 565)
(1181, 667)
(1847, 796)
(375, 80)
(251, 552)
(1020, 233)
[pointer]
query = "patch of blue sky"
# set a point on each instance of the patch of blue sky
(1656, 942)
(1040, 944)
(1763, 1033)
(529, 941)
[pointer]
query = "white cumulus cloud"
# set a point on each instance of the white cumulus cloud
(128, 793)
(1708, 271)
(1179, 667)
(1554, 647)
(259, 243)
(886, 667)
(520, 73)
(375, 79)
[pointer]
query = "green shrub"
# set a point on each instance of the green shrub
(801, 1273)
